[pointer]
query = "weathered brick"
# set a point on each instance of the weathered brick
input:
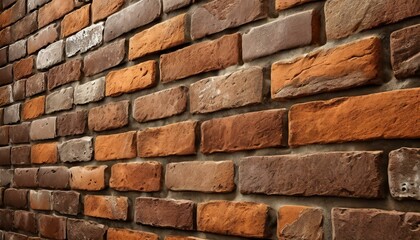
(6, 37)
(43, 128)
(6, 74)
(42, 38)
(76, 150)
(292, 31)
(165, 212)
(19, 133)
(23, 68)
(172, 139)
(188, 176)
(54, 10)
(6, 95)
(116, 146)
(75, 21)
(245, 219)
(51, 55)
(131, 79)
(44, 153)
(351, 174)
(17, 50)
(299, 222)
(343, 18)
(6, 177)
(4, 135)
(160, 104)
(54, 177)
(109, 116)
(371, 224)
(386, 115)
(33, 108)
(34, 4)
(13, 14)
(161, 36)
(16, 198)
(171, 5)
(405, 48)
(73, 123)
(25, 221)
(143, 177)
(241, 88)
(92, 91)
(84, 40)
(15, 236)
(101, 9)
(285, 4)
(77, 229)
(89, 178)
(35, 84)
(25, 178)
(232, 133)
(120, 233)
(40, 200)
(19, 90)
(6, 219)
(25, 26)
(20, 155)
(7, 3)
(12, 114)
(52, 227)
(5, 156)
(65, 73)
(200, 57)
(131, 17)
(66, 202)
(108, 207)
(104, 58)
(3, 56)
(59, 100)
(182, 238)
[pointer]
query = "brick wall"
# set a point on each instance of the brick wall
(209, 119)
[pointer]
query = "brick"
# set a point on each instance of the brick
(88, 92)
(76, 150)
(16, 198)
(75, 21)
(73, 123)
(351, 174)
(128, 234)
(171, 5)
(6, 219)
(25, 178)
(34, 4)
(51, 55)
(143, 177)
(19, 133)
(17, 50)
(386, 115)
(65, 73)
(131, 17)
(405, 52)
(1, 115)
(15, 236)
(77, 229)
(43, 38)
(200, 57)
(343, 18)
(159, 212)
(109, 116)
(245, 219)
(66, 202)
(25, 26)
(292, 31)
(40, 200)
(13, 14)
(241, 88)
(6, 177)
(35, 84)
(23, 68)
(161, 36)
(4, 156)
(373, 224)
(182, 238)
(299, 222)
(54, 177)
(216, 16)
(162, 104)
(402, 173)
(108, 207)
(59, 100)
(286, 4)
(26, 221)
(84, 40)
(7, 3)
(44, 153)
(6, 37)
(19, 90)
(4, 135)
(104, 58)
(42, 129)
(115, 146)
(12, 114)
(20, 155)
(89, 178)
(52, 226)
(188, 176)
(131, 79)
(54, 10)
(172, 139)
(6, 95)
(101, 9)
(6, 74)
(3, 56)
(33, 108)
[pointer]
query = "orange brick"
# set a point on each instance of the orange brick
(23, 68)
(144, 177)
(89, 178)
(12, 14)
(126, 234)
(44, 153)
(75, 21)
(53, 11)
(116, 146)
(108, 207)
(299, 222)
(103, 8)
(285, 4)
(33, 108)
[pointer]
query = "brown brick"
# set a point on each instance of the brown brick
(6, 75)
(245, 219)
(77, 229)
(188, 176)
(4, 135)
(66, 202)
(44, 153)
(40, 200)
(131, 79)
(346, 66)
(6, 37)
(75, 21)
(89, 178)
(43, 38)
(143, 177)
(405, 46)
(73, 123)
(371, 224)
(173, 139)
(16, 198)
(109, 116)
(6, 177)
(67, 72)
(343, 18)
(20, 155)
(19, 133)
(104, 58)
(6, 219)
(52, 227)
(116, 146)
(3, 56)
(19, 90)
(299, 222)
(13, 14)
(127, 234)
(165, 213)
(54, 177)
(101, 9)
(285, 4)
(23, 68)
(25, 26)
(108, 207)
(26, 221)
(160, 104)
(161, 36)
(59, 100)
(35, 84)
(33, 108)
(5, 156)
(387, 115)
(182, 238)
(54, 10)
(25, 178)
(200, 57)
(171, 5)
(6, 95)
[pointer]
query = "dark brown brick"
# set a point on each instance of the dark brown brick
(104, 58)
(4, 135)
(74, 123)
(26, 221)
(25, 26)
(109, 116)
(19, 133)
(19, 90)
(43, 38)
(81, 229)
(52, 227)
(54, 177)
(16, 198)
(3, 56)
(6, 75)
(4, 156)
(66, 202)
(25, 177)
(6, 219)
(64, 73)
(20, 155)
(5, 95)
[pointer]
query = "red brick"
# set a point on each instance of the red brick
(299, 222)
(44, 153)
(23, 68)
(143, 177)
(72, 123)
(101, 9)
(40, 200)
(33, 108)
(13, 14)
(127, 234)
(116, 146)
(108, 207)
(54, 177)
(52, 227)
(104, 58)
(16, 198)
(75, 21)
(67, 72)
(25, 26)
(53, 11)
(25, 177)
(43, 38)
(109, 116)
(89, 178)
(26, 221)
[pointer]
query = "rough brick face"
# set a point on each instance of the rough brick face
(5, 37)
(4, 156)
(25, 178)
(12, 14)
(4, 135)
(66, 202)
(117, 233)
(25, 26)
(40, 200)
(73, 123)
(104, 58)
(19, 133)
(144, 177)
(16, 198)
(33, 108)
(12, 114)
(90, 178)
(53, 11)
(108, 207)
(285, 4)
(91, 230)
(6, 219)
(110, 116)
(76, 150)
(35, 84)
(54, 177)
(19, 90)
(17, 50)
(51, 55)
(26, 221)
(59, 100)
(84, 40)
(64, 73)
(92, 91)
(20, 155)
(23, 68)
(103, 8)
(52, 226)
(43, 129)
(299, 222)
(75, 21)
(115, 147)
(44, 153)
(42, 38)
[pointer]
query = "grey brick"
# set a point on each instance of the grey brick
(43, 128)
(76, 150)
(59, 100)
(89, 92)
(51, 55)
(84, 39)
